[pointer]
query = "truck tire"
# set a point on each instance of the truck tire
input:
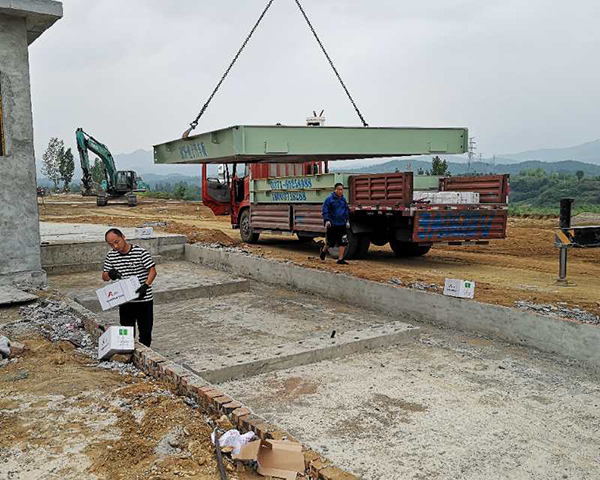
(131, 200)
(408, 249)
(247, 233)
(358, 245)
(379, 238)
(101, 200)
(364, 243)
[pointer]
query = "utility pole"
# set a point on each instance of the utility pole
(471, 152)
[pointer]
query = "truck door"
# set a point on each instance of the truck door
(216, 193)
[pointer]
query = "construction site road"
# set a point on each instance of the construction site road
(523, 267)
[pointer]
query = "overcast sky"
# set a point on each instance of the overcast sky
(519, 74)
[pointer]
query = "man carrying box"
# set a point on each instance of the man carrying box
(128, 260)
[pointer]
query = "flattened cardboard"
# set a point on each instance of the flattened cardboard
(281, 459)
(249, 451)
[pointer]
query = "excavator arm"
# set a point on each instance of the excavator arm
(86, 142)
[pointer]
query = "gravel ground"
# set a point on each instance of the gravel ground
(560, 311)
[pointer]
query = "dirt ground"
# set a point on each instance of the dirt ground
(522, 267)
(63, 417)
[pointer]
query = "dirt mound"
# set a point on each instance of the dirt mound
(201, 235)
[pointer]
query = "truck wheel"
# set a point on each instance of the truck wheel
(247, 233)
(364, 242)
(131, 200)
(101, 200)
(408, 249)
(358, 245)
(379, 238)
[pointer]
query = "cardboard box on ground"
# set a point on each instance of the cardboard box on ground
(115, 340)
(276, 458)
(459, 288)
(118, 293)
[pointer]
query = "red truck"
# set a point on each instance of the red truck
(384, 208)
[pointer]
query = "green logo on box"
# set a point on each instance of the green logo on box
(122, 331)
(467, 285)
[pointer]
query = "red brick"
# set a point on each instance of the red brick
(316, 467)
(247, 422)
(231, 406)
(241, 412)
(310, 456)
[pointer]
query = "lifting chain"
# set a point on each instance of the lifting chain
(194, 124)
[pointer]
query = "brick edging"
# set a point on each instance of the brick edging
(210, 398)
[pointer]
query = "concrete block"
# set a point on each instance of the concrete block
(310, 350)
(10, 295)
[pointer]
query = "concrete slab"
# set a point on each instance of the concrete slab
(175, 281)
(54, 233)
(215, 331)
(445, 407)
(305, 352)
(72, 247)
(10, 295)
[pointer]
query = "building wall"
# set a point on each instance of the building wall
(20, 258)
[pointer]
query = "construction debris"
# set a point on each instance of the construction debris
(559, 311)
(10, 295)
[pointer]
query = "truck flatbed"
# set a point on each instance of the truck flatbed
(300, 144)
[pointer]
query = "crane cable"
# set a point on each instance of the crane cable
(365, 124)
(194, 124)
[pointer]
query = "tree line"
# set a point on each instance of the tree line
(58, 164)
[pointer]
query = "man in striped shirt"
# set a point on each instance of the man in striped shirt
(127, 260)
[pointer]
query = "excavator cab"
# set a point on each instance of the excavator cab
(127, 181)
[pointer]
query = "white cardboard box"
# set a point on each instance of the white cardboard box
(459, 288)
(144, 232)
(469, 197)
(115, 340)
(118, 293)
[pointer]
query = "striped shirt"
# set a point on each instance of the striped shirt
(137, 261)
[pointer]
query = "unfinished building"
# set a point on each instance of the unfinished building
(21, 23)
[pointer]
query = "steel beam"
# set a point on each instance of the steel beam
(284, 144)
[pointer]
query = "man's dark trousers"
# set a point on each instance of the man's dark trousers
(141, 313)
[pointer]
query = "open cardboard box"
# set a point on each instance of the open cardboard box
(276, 458)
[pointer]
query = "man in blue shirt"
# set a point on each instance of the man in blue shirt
(335, 216)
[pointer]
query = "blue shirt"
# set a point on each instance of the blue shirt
(335, 210)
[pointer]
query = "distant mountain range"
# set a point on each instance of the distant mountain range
(414, 165)
(586, 152)
(584, 157)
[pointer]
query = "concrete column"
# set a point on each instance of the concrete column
(20, 258)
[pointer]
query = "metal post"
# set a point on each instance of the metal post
(565, 222)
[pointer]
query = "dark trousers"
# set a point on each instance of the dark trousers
(141, 313)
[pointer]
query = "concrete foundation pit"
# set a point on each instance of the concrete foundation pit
(381, 395)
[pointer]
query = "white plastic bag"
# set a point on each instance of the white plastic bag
(4, 347)
(232, 438)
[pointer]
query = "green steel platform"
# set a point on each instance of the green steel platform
(284, 144)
